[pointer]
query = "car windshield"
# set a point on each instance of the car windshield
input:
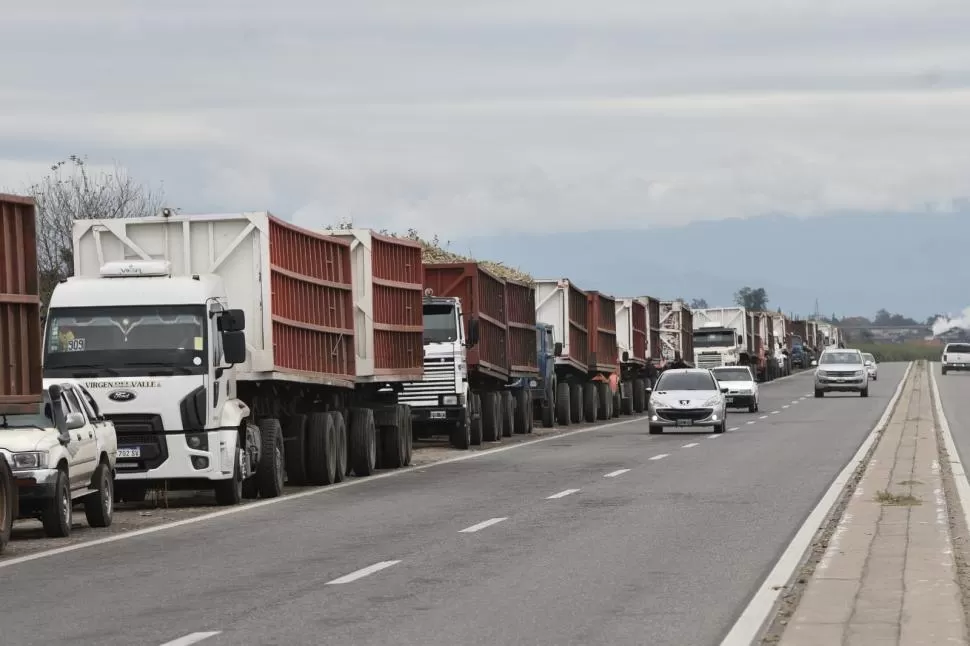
(732, 374)
(686, 381)
(41, 418)
(840, 358)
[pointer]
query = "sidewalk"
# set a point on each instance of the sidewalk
(888, 575)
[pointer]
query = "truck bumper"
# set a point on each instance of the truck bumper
(214, 460)
(437, 414)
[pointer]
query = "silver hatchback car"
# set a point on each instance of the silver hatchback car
(687, 398)
(841, 370)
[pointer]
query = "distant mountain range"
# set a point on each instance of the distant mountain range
(854, 264)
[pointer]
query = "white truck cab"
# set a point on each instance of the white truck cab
(157, 352)
(63, 454)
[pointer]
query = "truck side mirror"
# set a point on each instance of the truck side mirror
(472, 334)
(626, 356)
(232, 321)
(557, 349)
(740, 339)
(234, 347)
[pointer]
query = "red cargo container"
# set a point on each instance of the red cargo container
(482, 295)
(312, 302)
(601, 326)
(21, 381)
(398, 279)
(520, 304)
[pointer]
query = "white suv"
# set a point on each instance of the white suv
(63, 454)
(841, 370)
(956, 356)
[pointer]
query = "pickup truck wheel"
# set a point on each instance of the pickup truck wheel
(523, 412)
(340, 429)
(943, 369)
(230, 492)
(99, 507)
(58, 514)
(270, 470)
(475, 410)
(7, 493)
(321, 457)
(819, 393)
(564, 408)
(363, 442)
(865, 392)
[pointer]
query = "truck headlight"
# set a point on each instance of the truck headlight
(28, 460)
(449, 400)
(533, 383)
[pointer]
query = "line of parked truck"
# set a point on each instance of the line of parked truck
(239, 353)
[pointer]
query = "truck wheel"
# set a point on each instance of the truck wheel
(576, 403)
(99, 507)
(391, 437)
(230, 492)
(508, 413)
(523, 412)
(404, 432)
(461, 432)
(530, 418)
(7, 493)
(604, 398)
(564, 409)
(340, 431)
(617, 406)
(547, 408)
(590, 401)
(363, 442)
(321, 453)
(294, 455)
(58, 515)
(491, 419)
(475, 408)
(270, 468)
(639, 396)
(409, 436)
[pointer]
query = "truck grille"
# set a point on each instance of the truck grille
(675, 414)
(709, 360)
(439, 379)
(145, 432)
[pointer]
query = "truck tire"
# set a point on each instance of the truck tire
(475, 409)
(391, 455)
(340, 431)
(230, 492)
(547, 408)
(576, 403)
(321, 449)
(404, 430)
(590, 401)
(617, 407)
(604, 398)
(294, 453)
(409, 435)
(508, 413)
(491, 417)
(7, 502)
(363, 442)
(638, 399)
(461, 433)
(99, 507)
(523, 411)
(564, 409)
(530, 418)
(270, 470)
(58, 514)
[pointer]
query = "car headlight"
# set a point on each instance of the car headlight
(858, 373)
(28, 460)
(449, 400)
(713, 401)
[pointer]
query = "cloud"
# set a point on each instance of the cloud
(503, 116)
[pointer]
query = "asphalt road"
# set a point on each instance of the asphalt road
(953, 389)
(666, 551)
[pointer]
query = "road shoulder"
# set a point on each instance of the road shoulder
(888, 573)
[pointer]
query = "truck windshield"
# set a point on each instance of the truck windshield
(132, 338)
(440, 323)
(714, 338)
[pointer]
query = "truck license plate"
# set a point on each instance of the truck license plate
(438, 414)
(684, 422)
(130, 452)
(729, 400)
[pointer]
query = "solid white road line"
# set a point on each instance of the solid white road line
(562, 494)
(660, 456)
(192, 638)
(692, 444)
(749, 625)
(956, 465)
(482, 525)
(360, 574)
(618, 472)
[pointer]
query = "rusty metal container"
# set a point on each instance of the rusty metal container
(482, 296)
(21, 376)
(565, 306)
(601, 324)
(631, 330)
(520, 300)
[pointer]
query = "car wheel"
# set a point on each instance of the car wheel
(656, 430)
(819, 393)
(864, 392)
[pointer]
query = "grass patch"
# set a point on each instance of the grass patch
(898, 499)
(885, 352)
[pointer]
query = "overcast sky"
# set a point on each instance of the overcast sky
(469, 118)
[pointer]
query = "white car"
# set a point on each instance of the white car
(63, 454)
(841, 371)
(871, 365)
(687, 398)
(742, 387)
(956, 356)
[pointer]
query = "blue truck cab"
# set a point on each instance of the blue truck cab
(543, 387)
(798, 352)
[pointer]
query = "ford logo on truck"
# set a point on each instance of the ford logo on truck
(121, 395)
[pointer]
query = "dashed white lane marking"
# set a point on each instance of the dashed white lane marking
(660, 456)
(192, 638)
(714, 436)
(482, 525)
(361, 573)
(786, 405)
(763, 417)
(691, 445)
(735, 428)
(774, 412)
(562, 494)
(618, 472)
(795, 401)
(751, 422)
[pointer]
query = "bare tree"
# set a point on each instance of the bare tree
(72, 192)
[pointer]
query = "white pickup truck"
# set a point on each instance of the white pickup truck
(956, 356)
(62, 455)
